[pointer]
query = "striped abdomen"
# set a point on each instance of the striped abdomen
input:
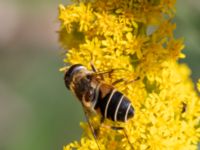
(115, 106)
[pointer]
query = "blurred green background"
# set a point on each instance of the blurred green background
(36, 110)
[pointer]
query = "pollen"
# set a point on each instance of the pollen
(114, 35)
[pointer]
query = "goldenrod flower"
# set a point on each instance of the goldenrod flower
(136, 35)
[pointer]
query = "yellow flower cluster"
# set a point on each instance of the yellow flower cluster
(136, 35)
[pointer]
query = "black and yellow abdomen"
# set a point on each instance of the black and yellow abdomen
(115, 106)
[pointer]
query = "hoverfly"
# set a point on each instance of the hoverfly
(96, 96)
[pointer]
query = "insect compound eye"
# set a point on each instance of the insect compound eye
(67, 80)
(70, 73)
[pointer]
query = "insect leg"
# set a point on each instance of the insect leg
(92, 129)
(117, 81)
(97, 130)
(109, 72)
(131, 81)
(117, 128)
(125, 82)
(125, 133)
